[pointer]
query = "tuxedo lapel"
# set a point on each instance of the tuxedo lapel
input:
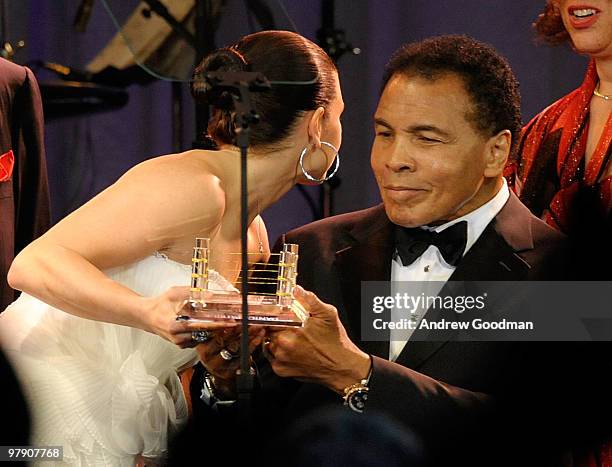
(366, 258)
(491, 259)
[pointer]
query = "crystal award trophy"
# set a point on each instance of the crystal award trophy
(277, 308)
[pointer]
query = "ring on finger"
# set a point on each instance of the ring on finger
(200, 336)
(227, 355)
(266, 348)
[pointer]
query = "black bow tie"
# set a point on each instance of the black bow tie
(412, 242)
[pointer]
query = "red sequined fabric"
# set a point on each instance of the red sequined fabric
(7, 163)
(549, 172)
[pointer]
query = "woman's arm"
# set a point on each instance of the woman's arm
(149, 208)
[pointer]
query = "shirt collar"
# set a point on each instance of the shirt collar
(479, 218)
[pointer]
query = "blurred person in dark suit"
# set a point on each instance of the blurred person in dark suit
(24, 192)
(15, 427)
(341, 438)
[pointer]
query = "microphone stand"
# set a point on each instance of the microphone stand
(240, 85)
(159, 8)
(177, 94)
(334, 42)
(202, 42)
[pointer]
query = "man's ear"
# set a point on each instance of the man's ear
(498, 151)
(315, 127)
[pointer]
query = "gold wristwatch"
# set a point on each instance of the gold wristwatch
(356, 395)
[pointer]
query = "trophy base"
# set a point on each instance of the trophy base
(263, 310)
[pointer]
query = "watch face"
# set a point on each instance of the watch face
(357, 400)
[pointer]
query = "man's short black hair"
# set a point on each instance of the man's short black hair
(488, 78)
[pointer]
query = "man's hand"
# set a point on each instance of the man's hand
(224, 371)
(320, 352)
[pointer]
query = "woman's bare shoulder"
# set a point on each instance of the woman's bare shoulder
(173, 168)
(153, 206)
(180, 187)
(179, 173)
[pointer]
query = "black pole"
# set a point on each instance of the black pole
(245, 381)
(245, 116)
(240, 85)
(203, 43)
(159, 8)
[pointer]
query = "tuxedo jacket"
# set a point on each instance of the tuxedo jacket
(24, 196)
(449, 393)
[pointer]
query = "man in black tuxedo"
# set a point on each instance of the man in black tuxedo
(445, 124)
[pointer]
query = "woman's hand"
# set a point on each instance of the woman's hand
(160, 317)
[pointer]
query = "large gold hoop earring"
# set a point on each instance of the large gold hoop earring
(336, 165)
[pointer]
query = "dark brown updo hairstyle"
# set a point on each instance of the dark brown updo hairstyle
(549, 26)
(280, 56)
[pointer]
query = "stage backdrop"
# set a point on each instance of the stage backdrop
(87, 153)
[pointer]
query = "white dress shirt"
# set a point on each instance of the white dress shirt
(430, 266)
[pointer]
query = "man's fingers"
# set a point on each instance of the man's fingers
(184, 340)
(179, 327)
(265, 348)
(233, 346)
(312, 304)
(280, 343)
(281, 369)
(256, 340)
(256, 330)
(230, 341)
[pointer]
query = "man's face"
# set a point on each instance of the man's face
(428, 159)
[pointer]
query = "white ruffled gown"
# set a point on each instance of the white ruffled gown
(104, 392)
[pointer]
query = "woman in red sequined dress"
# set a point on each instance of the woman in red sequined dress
(563, 169)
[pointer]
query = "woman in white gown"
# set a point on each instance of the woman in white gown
(94, 337)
